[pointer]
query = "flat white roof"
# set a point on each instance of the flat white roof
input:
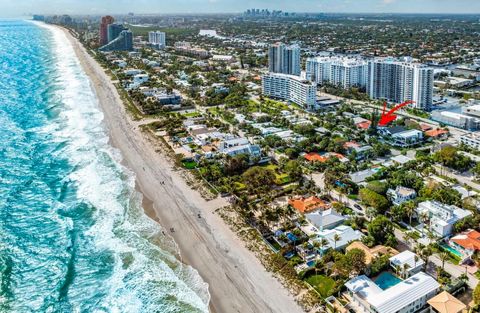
(406, 257)
(401, 159)
(396, 297)
(454, 115)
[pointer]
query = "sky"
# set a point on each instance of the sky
(16, 8)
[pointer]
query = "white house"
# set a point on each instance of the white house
(408, 296)
(407, 138)
(140, 79)
(401, 194)
(407, 263)
(325, 219)
(248, 149)
(132, 72)
(441, 217)
(346, 234)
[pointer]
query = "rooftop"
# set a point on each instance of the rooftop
(406, 257)
(371, 253)
(469, 240)
(446, 303)
(308, 204)
(394, 298)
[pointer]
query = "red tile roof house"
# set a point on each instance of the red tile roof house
(313, 156)
(304, 205)
(466, 243)
(364, 125)
(437, 133)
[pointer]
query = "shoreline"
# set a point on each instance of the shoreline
(237, 280)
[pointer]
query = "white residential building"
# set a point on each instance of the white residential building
(441, 217)
(346, 234)
(408, 296)
(456, 119)
(473, 110)
(248, 149)
(284, 59)
(345, 72)
(406, 263)
(325, 219)
(401, 137)
(472, 140)
(397, 81)
(401, 194)
(290, 88)
(157, 39)
(140, 78)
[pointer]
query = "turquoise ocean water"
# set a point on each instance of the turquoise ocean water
(73, 237)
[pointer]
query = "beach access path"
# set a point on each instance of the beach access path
(237, 280)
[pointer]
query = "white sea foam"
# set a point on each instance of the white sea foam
(153, 273)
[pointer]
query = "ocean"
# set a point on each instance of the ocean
(73, 236)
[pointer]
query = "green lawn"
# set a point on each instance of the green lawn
(239, 186)
(190, 165)
(192, 114)
(323, 284)
(280, 178)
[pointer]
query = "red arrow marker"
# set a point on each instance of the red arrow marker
(389, 116)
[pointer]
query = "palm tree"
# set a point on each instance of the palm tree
(336, 238)
(405, 270)
(409, 208)
(397, 269)
(408, 236)
(443, 257)
(425, 254)
(323, 243)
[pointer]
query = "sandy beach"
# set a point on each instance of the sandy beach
(237, 280)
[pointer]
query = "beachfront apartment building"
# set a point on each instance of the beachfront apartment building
(124, 42)
(408, 296)
(157, 39)
(440, 218)
(114, 30)
(103, 31)
(290, 88)
(399, 80)
(284, 59)
(345, 72)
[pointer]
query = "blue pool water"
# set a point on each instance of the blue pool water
(311, 263)
(292, 237)
(451, 250)
(386, 280)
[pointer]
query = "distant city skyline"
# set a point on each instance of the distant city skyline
(24, 7)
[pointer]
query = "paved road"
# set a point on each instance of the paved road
(465, 179)
(452, 269)
(319, 180)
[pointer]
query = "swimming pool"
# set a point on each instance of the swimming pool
(386, 280)
(292, 237)
(451, 250)
(311, 263)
